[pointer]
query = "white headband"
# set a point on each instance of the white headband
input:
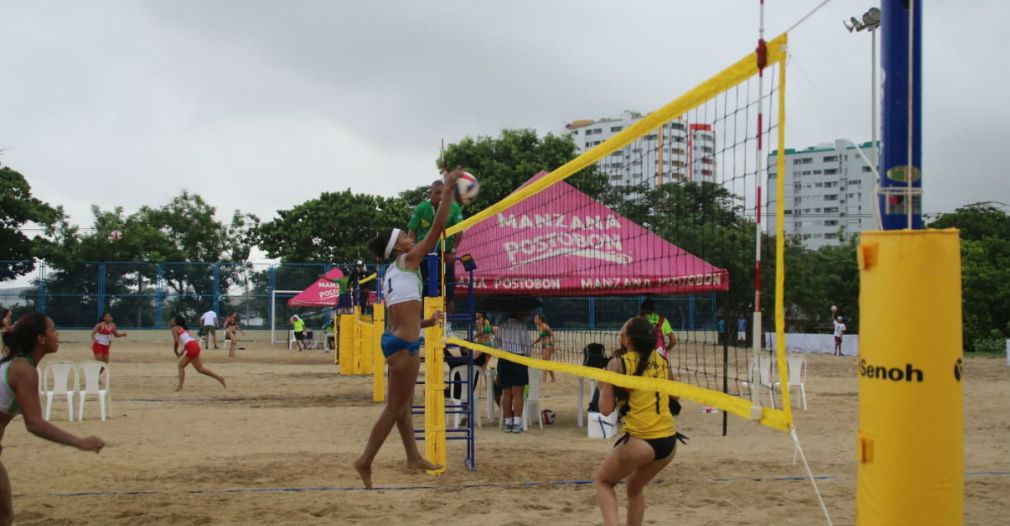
(392, 241)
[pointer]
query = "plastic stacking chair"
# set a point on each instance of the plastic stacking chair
(92, 372)
(797, 366)
(760, 377)
(460, 395)
(59, 374)
(531, 402)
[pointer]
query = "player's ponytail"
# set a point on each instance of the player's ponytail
(377, 245)
(643, 341)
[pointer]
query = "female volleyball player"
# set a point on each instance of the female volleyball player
(546, 341)
(190, 351)
(29, 340)
(401, 288)
(101, 337)
(232, 328)
(650, 437)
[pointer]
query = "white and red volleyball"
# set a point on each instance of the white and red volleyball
(467, 188)
(547, 416)
(115, 235)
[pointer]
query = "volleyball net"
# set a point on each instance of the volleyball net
(678, 230)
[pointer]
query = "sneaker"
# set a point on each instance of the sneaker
(517, 428)
(508, 428)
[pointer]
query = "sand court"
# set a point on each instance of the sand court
(275, 447)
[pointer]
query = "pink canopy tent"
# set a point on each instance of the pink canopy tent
(562, 242)
(322, 293)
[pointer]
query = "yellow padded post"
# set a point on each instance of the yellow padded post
(347, 339)
(378, 360)
(434, 389)
(910, 444)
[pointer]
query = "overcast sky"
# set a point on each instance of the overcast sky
(260, 106)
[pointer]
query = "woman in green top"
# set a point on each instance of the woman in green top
(546, 340)
(33, 337)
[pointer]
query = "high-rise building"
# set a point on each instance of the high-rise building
(828, 192)
(688, 150)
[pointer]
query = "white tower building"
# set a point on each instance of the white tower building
(828, 193)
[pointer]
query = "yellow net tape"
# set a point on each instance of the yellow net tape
(739, 406)
(729, 77)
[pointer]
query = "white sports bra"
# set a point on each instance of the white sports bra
(185, 337)
(399, 285)
(8, 400)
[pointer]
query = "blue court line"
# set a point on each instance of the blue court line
(427, 487)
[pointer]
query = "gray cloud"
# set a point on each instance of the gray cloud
(261, 105)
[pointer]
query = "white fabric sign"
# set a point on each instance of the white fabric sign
(822, 343)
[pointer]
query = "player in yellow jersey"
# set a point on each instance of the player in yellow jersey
(650, 437)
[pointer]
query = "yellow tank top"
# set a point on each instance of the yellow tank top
(648, 413)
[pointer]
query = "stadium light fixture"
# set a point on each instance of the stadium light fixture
(870, 21)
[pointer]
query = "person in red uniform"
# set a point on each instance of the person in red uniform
(190, 352)
(101, 336)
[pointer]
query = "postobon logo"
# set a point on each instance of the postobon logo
(894, 374)
(958, 369)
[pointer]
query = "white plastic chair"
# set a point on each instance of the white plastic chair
(59, 374)
(459, 394)
(760, 376)
(92, 372)
(531, 396)
(797, 367)
(531, 402)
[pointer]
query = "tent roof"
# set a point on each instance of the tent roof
(561, 242)
(322, 293)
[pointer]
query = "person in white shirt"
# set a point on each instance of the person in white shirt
(208, 325)
(839, 332)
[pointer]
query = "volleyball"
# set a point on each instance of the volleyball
(467, 188)
(547, 416)
(115, 235)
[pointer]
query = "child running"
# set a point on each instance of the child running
(400, 343)
(190, 352)
(101, 336)
(29, 340)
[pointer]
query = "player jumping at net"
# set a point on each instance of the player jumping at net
(650, 438)
(401, 342)
(190, 351)
(32, 338)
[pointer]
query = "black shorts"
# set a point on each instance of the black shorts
(662, 447)
(300, 335)
(450, 279)
(511, 374)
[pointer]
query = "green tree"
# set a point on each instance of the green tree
(174, 238)
(503, 163)
(17, 208)
(985, 274)
(335, 227)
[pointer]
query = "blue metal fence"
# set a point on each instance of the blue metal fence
(145, 295)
